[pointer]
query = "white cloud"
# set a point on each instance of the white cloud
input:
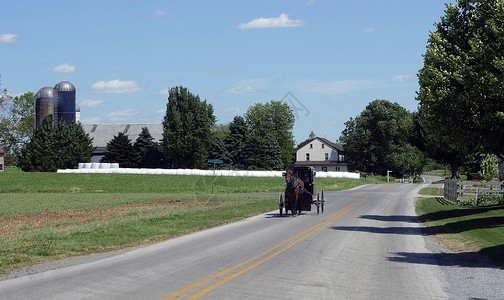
(164, 92)
(161, 111)
(158, 13)
(282, 21)
(241, 90)
(369, 30)
(64, 68)
(116, 87)
(310, 2)
(334, 87)
(401, 78)
(8, 38)
(121, 115)
(91, 103)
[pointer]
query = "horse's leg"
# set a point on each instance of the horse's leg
(296, 201)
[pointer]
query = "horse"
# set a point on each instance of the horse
(293, 191)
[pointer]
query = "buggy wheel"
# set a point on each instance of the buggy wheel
(318, 204)
(280, 204)
(322, 201)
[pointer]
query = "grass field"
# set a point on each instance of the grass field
(47, 216)
(478, 229)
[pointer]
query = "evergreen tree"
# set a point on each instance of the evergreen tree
(235, 141)
(120, 150)
(72, 145)
(187, 129)
(150, 152)
(51, 149)
(219, 151)
(38, 153)
(263, 153)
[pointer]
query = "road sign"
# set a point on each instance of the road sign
(215, 161)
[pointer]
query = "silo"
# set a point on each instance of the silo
(64, 103)
(77, 113)
(44, 105)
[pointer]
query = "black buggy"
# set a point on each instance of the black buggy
(310, 195)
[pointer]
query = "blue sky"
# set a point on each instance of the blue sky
(327, 59)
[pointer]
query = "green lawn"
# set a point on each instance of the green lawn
(476, 229)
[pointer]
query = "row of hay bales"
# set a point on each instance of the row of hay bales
(114, 169)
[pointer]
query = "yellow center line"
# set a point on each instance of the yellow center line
(308, 232)
(387, 187)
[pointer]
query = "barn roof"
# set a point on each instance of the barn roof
(103, 133)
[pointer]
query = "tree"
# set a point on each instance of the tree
(312, 135)
(379, 139)
(235, 141)
(120, 150)
(72, 145)
(460, 98)
(187, 129)
(263, 153)
(37, 154)
(51, 149)
(17, 119)
(489, 167)
(150, 154)
(276, 118)
(220, 151)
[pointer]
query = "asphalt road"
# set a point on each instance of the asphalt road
(368, 244)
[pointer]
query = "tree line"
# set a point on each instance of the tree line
(260, 140)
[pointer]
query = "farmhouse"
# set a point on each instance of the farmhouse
(104, 133)
(322, 154)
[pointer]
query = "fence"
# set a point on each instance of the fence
(461, 190)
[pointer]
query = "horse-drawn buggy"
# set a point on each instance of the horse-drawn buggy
(300, 191)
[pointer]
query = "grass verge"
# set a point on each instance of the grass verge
(479, 230)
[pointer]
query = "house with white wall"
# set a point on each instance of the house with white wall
(321, 154)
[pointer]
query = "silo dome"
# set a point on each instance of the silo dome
(45, 93)
(64, 86)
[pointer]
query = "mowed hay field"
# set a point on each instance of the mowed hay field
(48, 216)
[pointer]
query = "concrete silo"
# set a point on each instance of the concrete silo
(64, 103)
(44, 105)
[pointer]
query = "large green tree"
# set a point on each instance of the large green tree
(461, 107)
(276, 118)
(50, 149)
(380, 139)
(17, 118)
(187, 129)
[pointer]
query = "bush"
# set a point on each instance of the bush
(484, 199)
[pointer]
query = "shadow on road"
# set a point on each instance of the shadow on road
(462, 259)
(407, 219)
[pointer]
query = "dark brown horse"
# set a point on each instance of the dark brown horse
(294, 191)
